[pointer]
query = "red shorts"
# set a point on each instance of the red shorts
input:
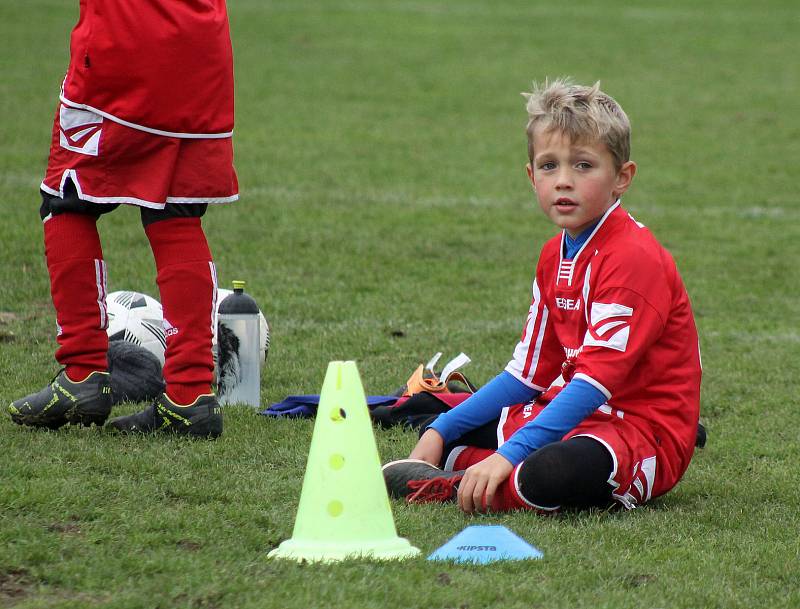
(111, 163)
(643, 468)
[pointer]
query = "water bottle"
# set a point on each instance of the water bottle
(240, 371)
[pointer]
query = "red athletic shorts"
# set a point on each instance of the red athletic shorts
(643, 468)
(111, 163)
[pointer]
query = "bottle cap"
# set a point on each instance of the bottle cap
(238, 302)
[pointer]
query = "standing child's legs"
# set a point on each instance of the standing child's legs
(121, 164)
(78, 288)
(187, 283)
(81, 392)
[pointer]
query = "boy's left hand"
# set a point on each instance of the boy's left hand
(477, 488)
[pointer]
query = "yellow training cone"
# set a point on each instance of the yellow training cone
(344, 509)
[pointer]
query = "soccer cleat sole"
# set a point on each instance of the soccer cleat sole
(81, 419)
(159, 419)
(74, 417)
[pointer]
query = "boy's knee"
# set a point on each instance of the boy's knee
(573, 473)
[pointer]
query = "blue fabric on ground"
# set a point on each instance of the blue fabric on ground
(305, 406)
(483, 406)
(572, 405)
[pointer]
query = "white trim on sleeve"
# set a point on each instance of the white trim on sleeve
(515, 373)
(593, 383)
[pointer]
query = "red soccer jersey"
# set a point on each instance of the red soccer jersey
(164, 67)
(620, 312)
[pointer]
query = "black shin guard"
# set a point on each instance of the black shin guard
(569, 474)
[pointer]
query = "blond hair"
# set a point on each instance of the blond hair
(581, 113)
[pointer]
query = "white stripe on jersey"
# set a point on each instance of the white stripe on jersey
(530, 346)
(565, 270)
(502, 423)
(538, 347)
(586, 287)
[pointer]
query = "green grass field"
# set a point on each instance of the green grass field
(385, 215)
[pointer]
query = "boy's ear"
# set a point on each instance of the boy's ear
(529, 169)
(624, 178)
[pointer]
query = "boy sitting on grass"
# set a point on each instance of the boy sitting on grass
(610, 317)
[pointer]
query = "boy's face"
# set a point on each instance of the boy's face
(575, 182)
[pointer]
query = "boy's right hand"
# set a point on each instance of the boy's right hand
(429, 448)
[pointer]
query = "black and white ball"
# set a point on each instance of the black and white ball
(138, 319)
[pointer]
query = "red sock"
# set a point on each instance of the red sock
(187, 282)
(78, 287)
(507, 496)
(468, 455)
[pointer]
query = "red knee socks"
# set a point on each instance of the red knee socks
(466, 456)
(78, 287)
(187, 283)
(507, 496)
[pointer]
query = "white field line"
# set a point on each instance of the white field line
(566, 10)
(761, 337)
(783, 210)
(512, 326)
(381, 197)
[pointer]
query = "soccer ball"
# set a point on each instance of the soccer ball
(138, 319)
(263, 325)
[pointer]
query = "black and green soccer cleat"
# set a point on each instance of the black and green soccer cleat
(64, 401)
(203, 418)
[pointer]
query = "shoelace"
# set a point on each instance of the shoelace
(435, 489)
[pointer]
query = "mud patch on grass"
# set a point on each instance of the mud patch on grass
(637, 580)
(69, 528)
(443, 579)
(189, 545)
(15, 586)
(210, 601)
(6, 317)
(6, 335)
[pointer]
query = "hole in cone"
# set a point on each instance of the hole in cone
(336, 461)
(338, 414)
(335, 508)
